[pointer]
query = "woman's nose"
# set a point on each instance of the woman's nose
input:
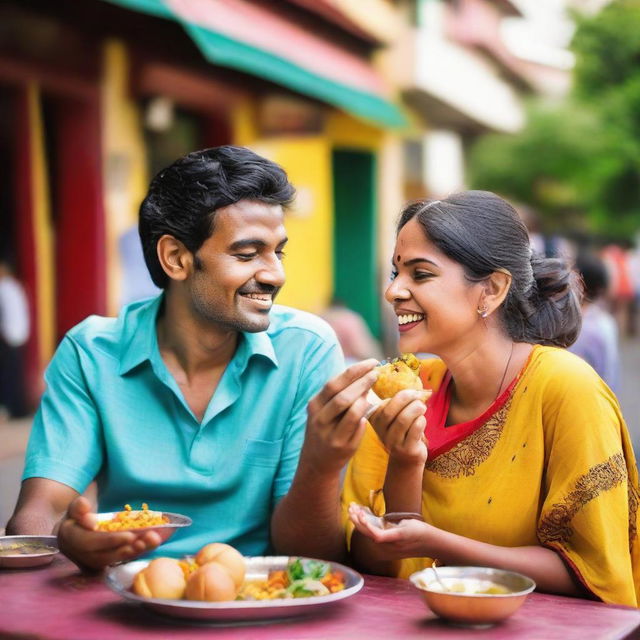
(396, 291)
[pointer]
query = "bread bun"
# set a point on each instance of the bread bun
(211, 583)
(162, 578)
(225, 555)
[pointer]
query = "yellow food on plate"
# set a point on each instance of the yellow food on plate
(162, 578)
(211, 583)
(225, 555)
(397, 375)
(131, 519)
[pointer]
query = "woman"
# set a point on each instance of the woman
(523, 460)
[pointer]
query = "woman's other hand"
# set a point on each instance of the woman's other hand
(406, 539)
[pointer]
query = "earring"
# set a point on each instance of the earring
(482, 312)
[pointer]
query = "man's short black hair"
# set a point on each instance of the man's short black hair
(183, 198)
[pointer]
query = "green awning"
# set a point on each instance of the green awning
(222, 48)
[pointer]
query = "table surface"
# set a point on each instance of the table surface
(59, 603)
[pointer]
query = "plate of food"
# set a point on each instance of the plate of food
(220, 585)
(21, 552)
(143, 519)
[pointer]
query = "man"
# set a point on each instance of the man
(195, 401)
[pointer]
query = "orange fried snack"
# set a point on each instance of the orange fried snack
(130, 519)
(401, 373)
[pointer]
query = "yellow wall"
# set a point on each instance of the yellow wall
(309, 223)
(344, 131)
(125, 168)
(43, 233)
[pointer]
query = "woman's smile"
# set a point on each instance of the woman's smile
(407, 320)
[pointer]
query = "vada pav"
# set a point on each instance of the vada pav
(162, 578)
(397, 375)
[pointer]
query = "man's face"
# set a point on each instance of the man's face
(239, 267)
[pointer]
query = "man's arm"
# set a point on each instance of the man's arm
(40, 507)
(307, 520)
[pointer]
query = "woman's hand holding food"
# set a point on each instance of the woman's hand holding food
(400, 423)
(92, 549)
(406, 539)
(335, 422)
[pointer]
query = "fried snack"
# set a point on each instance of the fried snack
(401, 373)
(162, 578)
(225, 555)
(130, 519)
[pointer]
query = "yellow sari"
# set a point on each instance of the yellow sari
(554, 467)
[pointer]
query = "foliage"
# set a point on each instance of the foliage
(578, 162)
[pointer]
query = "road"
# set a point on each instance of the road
(14, 434)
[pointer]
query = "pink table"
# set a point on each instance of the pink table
(58, 603)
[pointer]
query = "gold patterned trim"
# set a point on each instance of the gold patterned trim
(634, 499)
(464, 458)
(555, 525)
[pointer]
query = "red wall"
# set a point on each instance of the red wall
(79, 214)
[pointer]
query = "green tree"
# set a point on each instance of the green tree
(578, 163)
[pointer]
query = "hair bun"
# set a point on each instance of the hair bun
(552, 276)
(554, 302)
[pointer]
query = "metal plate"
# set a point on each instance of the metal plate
(120, 579)
(21, 560)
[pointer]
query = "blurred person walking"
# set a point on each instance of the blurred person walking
(14, 333)
(354, 336)
(597, 342)
(634, 270)
(621, 290)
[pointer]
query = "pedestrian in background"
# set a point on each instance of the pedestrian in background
(621, 289)
(14, 333)
(355, 338)
(597, 342)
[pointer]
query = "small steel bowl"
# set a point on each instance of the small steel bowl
(21, 552)
(466, 608)
(176, 521)
(395, 517)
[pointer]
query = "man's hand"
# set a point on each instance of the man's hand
(91, 549)
(335, 423)
(400, 423)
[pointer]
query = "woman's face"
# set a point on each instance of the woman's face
(435, 304)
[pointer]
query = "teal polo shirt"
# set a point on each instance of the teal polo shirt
(113, 412)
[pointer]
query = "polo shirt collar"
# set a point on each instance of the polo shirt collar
(140, 339)
(258, 344)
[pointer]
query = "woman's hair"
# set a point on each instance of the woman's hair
(483, 233)
(183, 198)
